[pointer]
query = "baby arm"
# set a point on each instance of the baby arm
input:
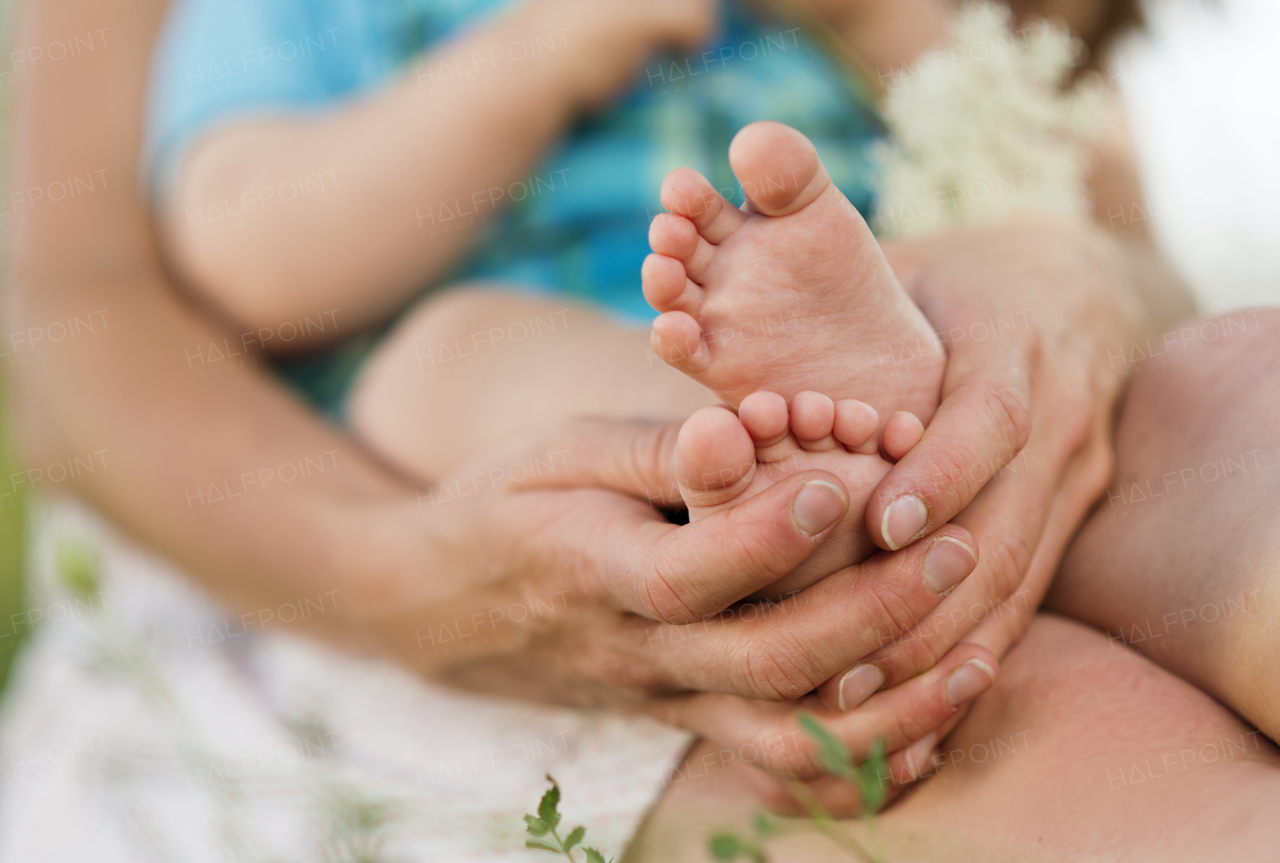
(358, 246)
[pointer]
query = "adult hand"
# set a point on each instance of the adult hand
(1039, 316)
(1043, 320)
(550, 576)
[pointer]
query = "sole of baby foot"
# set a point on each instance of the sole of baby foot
(791, 294)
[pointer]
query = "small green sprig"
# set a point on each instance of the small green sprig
(729, 845)
(834, 757)
(545, 835)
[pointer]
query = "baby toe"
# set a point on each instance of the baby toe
(812, 420)
(677, 237)
(715, 458)
(687, 193)
(764, 414)
(901, 432)
(855, 426)
(667, 287)
(778, 168)
(677, 339)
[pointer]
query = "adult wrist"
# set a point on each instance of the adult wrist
(382, 550)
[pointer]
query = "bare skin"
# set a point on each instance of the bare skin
(1082, 750)
(1201, 600)
(789, 296)
(796, 296)
(170, 423)
(991, 392)
(131, 392)
(1089, 747)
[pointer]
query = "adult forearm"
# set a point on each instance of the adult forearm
(214, 465)
(401, 182)
(116, 395)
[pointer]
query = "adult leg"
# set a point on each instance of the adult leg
(1181, 561)
(1081, 750)
(1084, 748)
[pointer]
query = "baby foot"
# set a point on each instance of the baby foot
(792, 294)
(720, 457)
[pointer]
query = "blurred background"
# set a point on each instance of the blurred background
(10, 508)
(1201, 90)
(1201, 87)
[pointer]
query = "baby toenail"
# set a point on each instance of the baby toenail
(903, 521)
(947, 564)
(858, 685)
(818, 506)
(968, 681)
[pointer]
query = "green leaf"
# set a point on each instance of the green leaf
(725, 846)
(832, 754)
(763, 824)
(547, 809)
(536, 826)
(594, 856)
(870, 774)
(531, 843)
(575, 837)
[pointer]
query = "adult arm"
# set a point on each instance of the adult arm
(164, 426)
(402, 566)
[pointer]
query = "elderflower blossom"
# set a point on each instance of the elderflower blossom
(983, 127)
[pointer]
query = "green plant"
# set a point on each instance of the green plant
(542, 829)
(868, 777)
(834, 757)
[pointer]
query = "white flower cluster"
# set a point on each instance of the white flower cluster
(983, 126)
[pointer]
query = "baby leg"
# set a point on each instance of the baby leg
(469, 369)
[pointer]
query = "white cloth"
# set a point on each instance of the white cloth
(1200, 91)
(160, 727)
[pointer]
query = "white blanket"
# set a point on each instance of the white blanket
(153, 724)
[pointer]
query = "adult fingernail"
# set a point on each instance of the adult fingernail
(918, 756)
(968, 682)
(818, 506)
(859, 684)
(947, 564)
(903, 520)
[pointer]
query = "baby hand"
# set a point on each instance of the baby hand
(607, 42)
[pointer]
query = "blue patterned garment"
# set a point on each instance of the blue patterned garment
(578, 226)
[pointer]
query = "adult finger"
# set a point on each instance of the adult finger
(769, 736)
(920, 759)
(983, 421)
(1085, 480)
(1009, 520)
(781, 650)
(681, 575)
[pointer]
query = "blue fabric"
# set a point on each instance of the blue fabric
(578, 226)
